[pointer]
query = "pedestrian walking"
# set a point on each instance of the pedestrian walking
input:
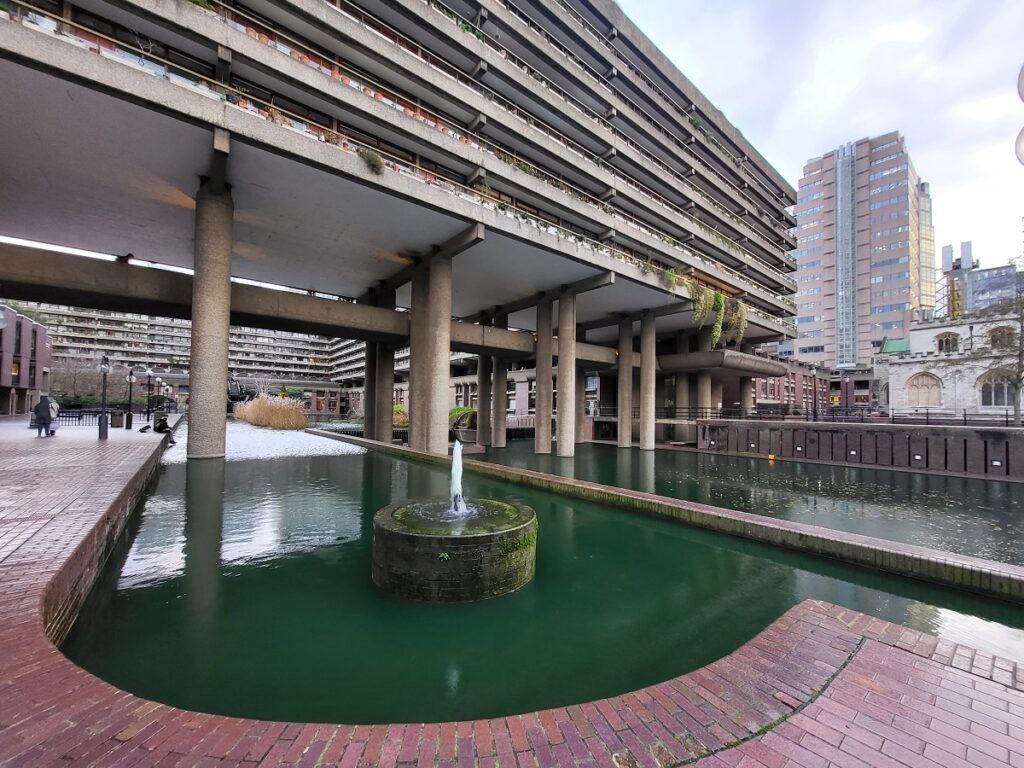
(43, 419)
(54, 421)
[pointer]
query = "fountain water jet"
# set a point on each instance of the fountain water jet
(451, 550)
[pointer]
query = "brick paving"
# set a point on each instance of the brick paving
(821, 686)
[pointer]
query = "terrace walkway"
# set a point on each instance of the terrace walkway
(821, 686)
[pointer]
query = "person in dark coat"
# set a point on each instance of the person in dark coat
(42, 416)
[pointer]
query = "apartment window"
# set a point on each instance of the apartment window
(812, 350)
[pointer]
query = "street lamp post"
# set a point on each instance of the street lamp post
(157, 386)
(149, 393)
(104, 369)
(130, 378)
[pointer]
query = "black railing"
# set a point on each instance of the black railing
(859, 415)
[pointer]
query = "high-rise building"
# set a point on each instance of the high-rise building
(81, 336)
(865, 251)
(967, 289)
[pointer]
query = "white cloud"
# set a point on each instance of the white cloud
(799, 78)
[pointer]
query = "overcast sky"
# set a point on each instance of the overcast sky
(801, 77)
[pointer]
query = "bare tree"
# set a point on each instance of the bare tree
(1001, 354)
(75, 377)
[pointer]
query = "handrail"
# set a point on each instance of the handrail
(410, 46)
(509, 56)
(318, 59)
(513, 159)
(619, 56)
(164, 69)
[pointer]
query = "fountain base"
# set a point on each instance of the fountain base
(421, 553)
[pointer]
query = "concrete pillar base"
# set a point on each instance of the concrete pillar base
(542, 409)
(648, 365)
(565, 437)
(624, 398)
(211, 313)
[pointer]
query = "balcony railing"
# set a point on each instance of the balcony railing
(158, 67)
(409, 46)
(467, 26)
(323, 62)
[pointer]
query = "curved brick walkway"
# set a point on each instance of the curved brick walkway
(821, 686)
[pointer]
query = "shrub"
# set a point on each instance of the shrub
(718, 306)
(462, 416)
(272, 411)
(399, 416)
(372, 159)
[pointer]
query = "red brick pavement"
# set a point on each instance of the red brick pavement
(821, 686)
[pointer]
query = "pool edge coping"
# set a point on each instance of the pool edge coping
(965, 572)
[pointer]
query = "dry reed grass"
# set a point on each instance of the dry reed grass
(272, 411)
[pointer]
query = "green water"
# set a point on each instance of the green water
(246, 591)
(983, 518)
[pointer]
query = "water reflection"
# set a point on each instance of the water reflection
(204, 517)
(258, 599)
(977, 517)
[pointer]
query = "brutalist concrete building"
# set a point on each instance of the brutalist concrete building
(520, 182)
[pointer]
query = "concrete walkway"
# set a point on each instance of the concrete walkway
(821, 686)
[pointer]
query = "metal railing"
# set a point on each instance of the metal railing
(847, 415)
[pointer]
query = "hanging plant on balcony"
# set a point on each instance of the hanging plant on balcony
(737, 325)
(702, 299)
(372, 159)
(718, 305)
(671, 278)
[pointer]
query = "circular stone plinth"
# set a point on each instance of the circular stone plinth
(422, 553)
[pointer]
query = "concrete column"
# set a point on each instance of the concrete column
(500, 415)
(682, 393)
(716, 393)
(211, 310)
(704, 394)
(581, 406)
(384, 372)
(682, 383)
(624, 400)
(385, 396)
(370, 391)
(746, 393)
(483, 397)
(565, 423)
(542, 410)
(419, 328)
(703, 391)
(438, 343)
(647, 376)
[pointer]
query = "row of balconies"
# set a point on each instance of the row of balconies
(684, 118)
(164, 69)
(462, 32)
(648, 237)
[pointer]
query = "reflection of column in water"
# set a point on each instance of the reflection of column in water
(427, 481)
(624, 468)
(204, 518)
(645, 459)
(377, 490)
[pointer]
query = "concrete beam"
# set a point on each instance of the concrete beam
(591, 283)
(31, 274)
(721, 361)
(466, 239)
(614, 319)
